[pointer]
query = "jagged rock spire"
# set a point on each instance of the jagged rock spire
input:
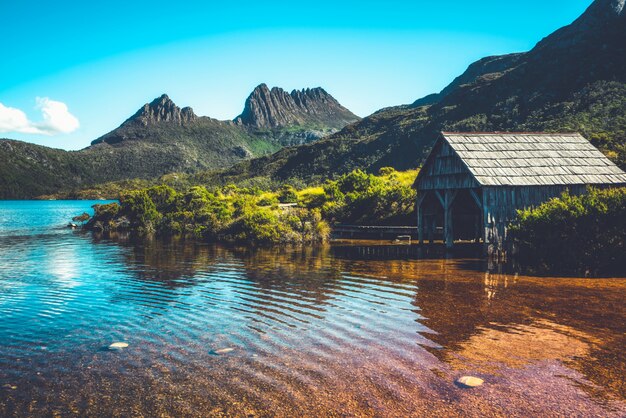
(162, 109)
(271, 108)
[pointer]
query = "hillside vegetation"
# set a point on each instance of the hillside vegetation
(253, 215)
(572, 81)
(575, 234)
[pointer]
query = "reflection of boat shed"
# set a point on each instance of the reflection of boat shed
(472, 184)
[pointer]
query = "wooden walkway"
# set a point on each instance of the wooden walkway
(390, 232)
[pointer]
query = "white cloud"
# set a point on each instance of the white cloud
(14, 120)
(57, 119)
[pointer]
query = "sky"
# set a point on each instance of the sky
(74, 70)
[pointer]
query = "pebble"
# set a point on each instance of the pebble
(118, 346)
(223, 350)
(470, 381)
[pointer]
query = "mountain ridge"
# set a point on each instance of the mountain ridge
(159, 138)
(275, 108)
(572, 80)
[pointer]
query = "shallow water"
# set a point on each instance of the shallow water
(330, 331)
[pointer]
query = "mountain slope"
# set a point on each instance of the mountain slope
(573, 80)
(161, 138)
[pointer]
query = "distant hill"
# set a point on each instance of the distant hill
(573, 80)
(162, 138)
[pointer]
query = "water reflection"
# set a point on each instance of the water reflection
(342, 330)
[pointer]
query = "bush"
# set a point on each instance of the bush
(288, 194)
(164, 197)
(574, 234)
(269, 200)
(260, 225)
(362, 198)
(105, 213)
(141, 210)
(252, 215)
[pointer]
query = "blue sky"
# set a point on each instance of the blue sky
(74, 70)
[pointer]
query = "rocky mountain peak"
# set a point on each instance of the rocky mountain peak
(162, 109)
(274, 108)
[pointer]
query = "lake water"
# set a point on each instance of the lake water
(331, 331)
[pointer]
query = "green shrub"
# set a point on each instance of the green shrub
(574, 234)
(252, 215)
(141, 210)
(362, 198)
(164, 197)
(287, 194)
(260, 225)
(107, 212)
(269, 200)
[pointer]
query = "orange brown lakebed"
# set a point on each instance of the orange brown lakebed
(299, 332)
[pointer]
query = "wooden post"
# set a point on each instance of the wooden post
(432, 226)
(448, 233)
(420, 225)
(420, 217)
(448, 230)
(486, 221)
(477, 228)
(479, 215)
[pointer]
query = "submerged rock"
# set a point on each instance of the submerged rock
(118, 346)
(222, 351)
(470, 381)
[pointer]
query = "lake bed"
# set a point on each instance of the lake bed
(317, 331)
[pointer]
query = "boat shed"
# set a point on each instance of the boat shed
(472, 184)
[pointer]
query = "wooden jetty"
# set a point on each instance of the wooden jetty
(374, 232)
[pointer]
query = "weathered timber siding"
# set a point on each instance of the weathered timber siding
(500, 205)
(445, 170)
(504, 172)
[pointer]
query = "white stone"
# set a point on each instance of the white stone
(470, 381)
(224, 350)
(118, 346)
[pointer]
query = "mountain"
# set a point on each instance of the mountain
(572, 80)
(162, 138)
(275, 108)
(294, 118)
(161, 111)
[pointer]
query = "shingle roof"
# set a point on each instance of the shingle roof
(533, 159)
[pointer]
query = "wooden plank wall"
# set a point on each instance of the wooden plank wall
(445, 171)
(500, 205)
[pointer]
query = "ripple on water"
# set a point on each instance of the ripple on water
(311, 334)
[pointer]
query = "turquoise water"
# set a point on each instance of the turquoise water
(307, 331)
(28, 217)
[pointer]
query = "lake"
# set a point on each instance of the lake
(339, 330)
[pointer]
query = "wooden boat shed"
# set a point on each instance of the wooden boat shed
(472, 184)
